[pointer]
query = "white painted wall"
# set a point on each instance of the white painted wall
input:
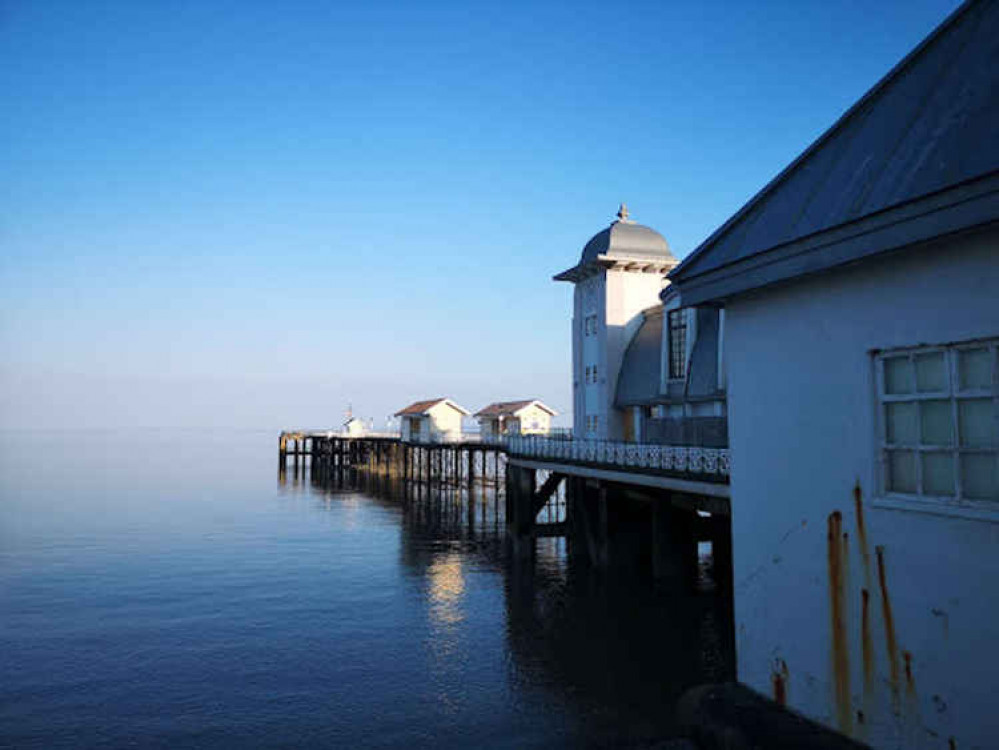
(355, 427)
(802, 430)
(588, 300)
(534, 420)
(617, 298)
(445, 419)
(628, 294)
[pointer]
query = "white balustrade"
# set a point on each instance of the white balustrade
(678, 458)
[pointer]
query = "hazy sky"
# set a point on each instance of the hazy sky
(248, 214)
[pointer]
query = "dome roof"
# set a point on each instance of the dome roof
(625, 238)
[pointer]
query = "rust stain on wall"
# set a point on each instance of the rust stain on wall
(866, 643)
(891, 643)
(865, 555)
(779, 679)
(837, 613)
(845, 558)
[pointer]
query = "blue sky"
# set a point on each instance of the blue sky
(249, 214)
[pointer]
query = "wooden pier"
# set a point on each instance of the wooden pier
(454, 463)
(616, 503)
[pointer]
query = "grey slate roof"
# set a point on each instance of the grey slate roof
(917, 157)
(623, 241)
(702, 370)
(626, 239)
(638, 380)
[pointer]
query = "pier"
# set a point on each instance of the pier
(455, 462)
(623, 504)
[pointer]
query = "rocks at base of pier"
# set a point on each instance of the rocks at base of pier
(732, 716)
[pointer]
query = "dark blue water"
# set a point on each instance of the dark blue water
(165, 589)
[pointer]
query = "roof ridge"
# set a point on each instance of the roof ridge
(878, 88)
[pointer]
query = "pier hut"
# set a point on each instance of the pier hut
(525, 417)
(860, 297)
(433, 419)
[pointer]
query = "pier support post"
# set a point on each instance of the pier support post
(721, 550)
(519, 510)
(674, 545)
(590, 534)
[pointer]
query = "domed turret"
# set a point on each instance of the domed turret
(624, 241)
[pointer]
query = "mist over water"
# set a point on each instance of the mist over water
(170, 589)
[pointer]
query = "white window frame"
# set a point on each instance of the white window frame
(956, 505)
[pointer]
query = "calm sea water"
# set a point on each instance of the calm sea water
(166, 589)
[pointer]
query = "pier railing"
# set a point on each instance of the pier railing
(651, 457)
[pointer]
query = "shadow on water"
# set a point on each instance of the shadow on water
(609, 647)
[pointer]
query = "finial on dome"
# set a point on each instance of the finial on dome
(622, 213)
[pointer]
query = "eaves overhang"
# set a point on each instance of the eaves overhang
(616, 262)
(963, 207)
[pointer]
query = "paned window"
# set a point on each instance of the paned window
(677, 344)
(939, 413)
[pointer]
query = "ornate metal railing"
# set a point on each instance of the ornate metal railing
(665, 458)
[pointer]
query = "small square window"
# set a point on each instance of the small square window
(936, 423)
(931, 376)
(902, 423)
(978, 476)
(975, 368)
(902, 471)
(975, 417)
(898, 375)
(938, 474)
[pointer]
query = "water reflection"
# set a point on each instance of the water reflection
(447, 584)
(607, 648)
